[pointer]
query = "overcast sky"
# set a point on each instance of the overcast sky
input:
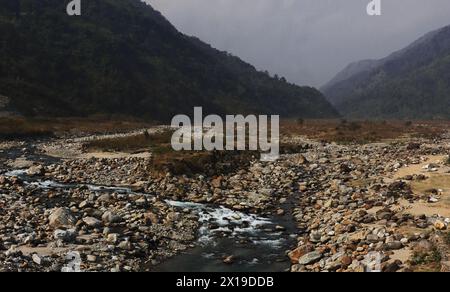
(307, 41)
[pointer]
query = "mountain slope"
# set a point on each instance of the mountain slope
(122, 56)
(413, 83)
(356, 68)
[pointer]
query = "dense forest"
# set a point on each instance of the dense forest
(123, 57)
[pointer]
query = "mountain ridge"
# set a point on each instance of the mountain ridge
(404, 84)
(124, 57)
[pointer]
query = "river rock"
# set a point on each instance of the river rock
(65, 235)
(395, 245)
(105, 198)
(372, 238)
(13, 251)
(299, 252)
(61, 217)
(91, 258)
(113, 238)
(228, 260)
(439, 225)
(346, 260)
(35, 170)
(125, 245)
(92, 222)
(37, 259)
(310, 258)
(217, 182)
(110, 217)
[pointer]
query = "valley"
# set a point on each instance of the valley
(323, 206)
(355, 178)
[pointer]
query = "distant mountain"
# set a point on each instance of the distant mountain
(356, 68)
(123, 57)
(413, 83)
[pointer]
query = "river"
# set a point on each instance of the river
(252, 242)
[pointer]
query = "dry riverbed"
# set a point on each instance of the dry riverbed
(324, 207)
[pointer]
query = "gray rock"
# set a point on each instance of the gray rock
(105, 198)
(315, 236)
(13, 251)
(84, 204)
(393, 245)
(125, 245)
(92, 222)
(110, 217)
(372, 238)
(310, 258)
(37, 259)
(65, 235)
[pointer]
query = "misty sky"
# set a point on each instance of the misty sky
(307, 41)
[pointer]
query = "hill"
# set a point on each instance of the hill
(413, 83)
(123, 57)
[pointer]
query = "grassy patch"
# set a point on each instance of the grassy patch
(426, 258)
(427, 261)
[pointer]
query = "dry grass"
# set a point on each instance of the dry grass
(11, 128)
(157, 142)
(19, 128)
(340, 131)
(165, 159)
(202, 162)
(344, 132)
(426, 261)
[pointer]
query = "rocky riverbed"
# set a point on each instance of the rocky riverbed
(330, 207)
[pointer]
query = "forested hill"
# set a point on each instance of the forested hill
(123, 57)
(413, 83)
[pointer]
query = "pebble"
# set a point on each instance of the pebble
(229, 260)
(91, 258)
(37, 259)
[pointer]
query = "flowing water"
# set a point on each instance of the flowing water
(255, 243)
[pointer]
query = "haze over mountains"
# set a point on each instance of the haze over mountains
(413, 83)
(123, 57)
